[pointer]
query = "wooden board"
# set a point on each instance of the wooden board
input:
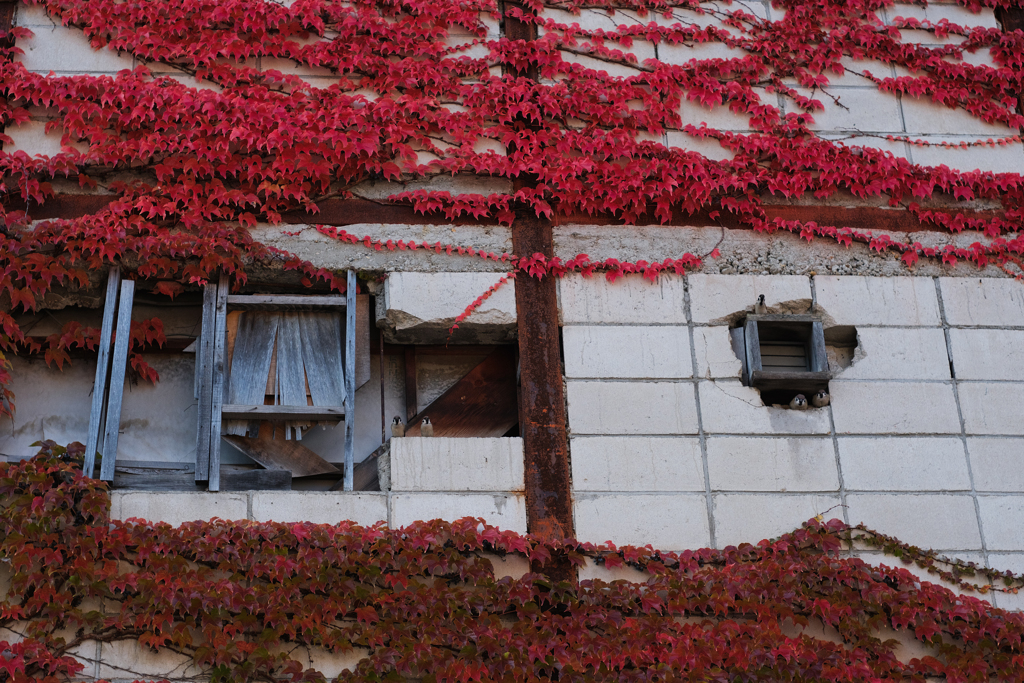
(219, 364)
(283, 413)
(482, 404)
(99, 387)
(118, 367)
(283, 302)
(351, 289)
(283, 455)
(250, 365)
(204, 372)
(362, 339)
(321, 354)
(291, 376)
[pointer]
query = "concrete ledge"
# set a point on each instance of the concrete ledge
(421, 307)
(332, 507)
(177, 508)
(451, 464)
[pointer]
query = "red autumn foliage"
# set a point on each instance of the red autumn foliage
(197, 144)
(242, 600)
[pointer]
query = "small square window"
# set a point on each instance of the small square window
(784, 356)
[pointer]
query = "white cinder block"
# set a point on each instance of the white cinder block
(628, 300)
(507, 511)
(681, 53)
(591, 571)
(627, 352)
(61, 48)
(923, 116)
(992, 408)
(713, 297)
(988, 354)
(996, 463)
(421, 297)
(667, 522)
(749, 518)
(759, 464)
(636, 463)
(129, 659)
(986, 302)
(721, 117)
(943, 522)
(31, 137)
(318, 507)
(450, 464)
(716, 357)
(1003, 563)
(896, 301)
(855, 69)
(1002, 518)
(864, 109)
(710, 148)
(894, 408)
(728, 407)
(904, 464)
(631, 407)
(877, 559)
(899, 353)
(954, 14)
(1000, 159)
(176, 508)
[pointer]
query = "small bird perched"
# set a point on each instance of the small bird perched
(426, 427)
(397, 428)
(760, 308)
(821, 399)
(799, 402)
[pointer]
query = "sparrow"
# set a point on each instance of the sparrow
(821, 399)
(397, 428)
(799, 402)
(760, 308)
(426, 427)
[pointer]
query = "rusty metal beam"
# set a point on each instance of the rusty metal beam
(542, 417)
(343, 212)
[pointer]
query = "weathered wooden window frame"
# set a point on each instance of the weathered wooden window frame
(795, 327)
(211, 360)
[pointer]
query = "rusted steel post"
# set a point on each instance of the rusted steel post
(542, 406)
(542, 417)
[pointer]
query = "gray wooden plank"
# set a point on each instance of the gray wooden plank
(753, 344)
(321, 356)
(99, 387)
(250, 364)
(204, 368)
(218, 380)
(118, 366)
(362, 339)
(283, 302)
(283, 455)
(290, 368)
(819, 357)
(350, 377)
(303, 414)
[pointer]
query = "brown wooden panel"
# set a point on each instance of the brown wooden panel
(481, 404)
(311, 413)
(283, 455)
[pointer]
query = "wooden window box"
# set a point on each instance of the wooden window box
(785, 353)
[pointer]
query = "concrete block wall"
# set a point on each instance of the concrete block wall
(922, 440)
